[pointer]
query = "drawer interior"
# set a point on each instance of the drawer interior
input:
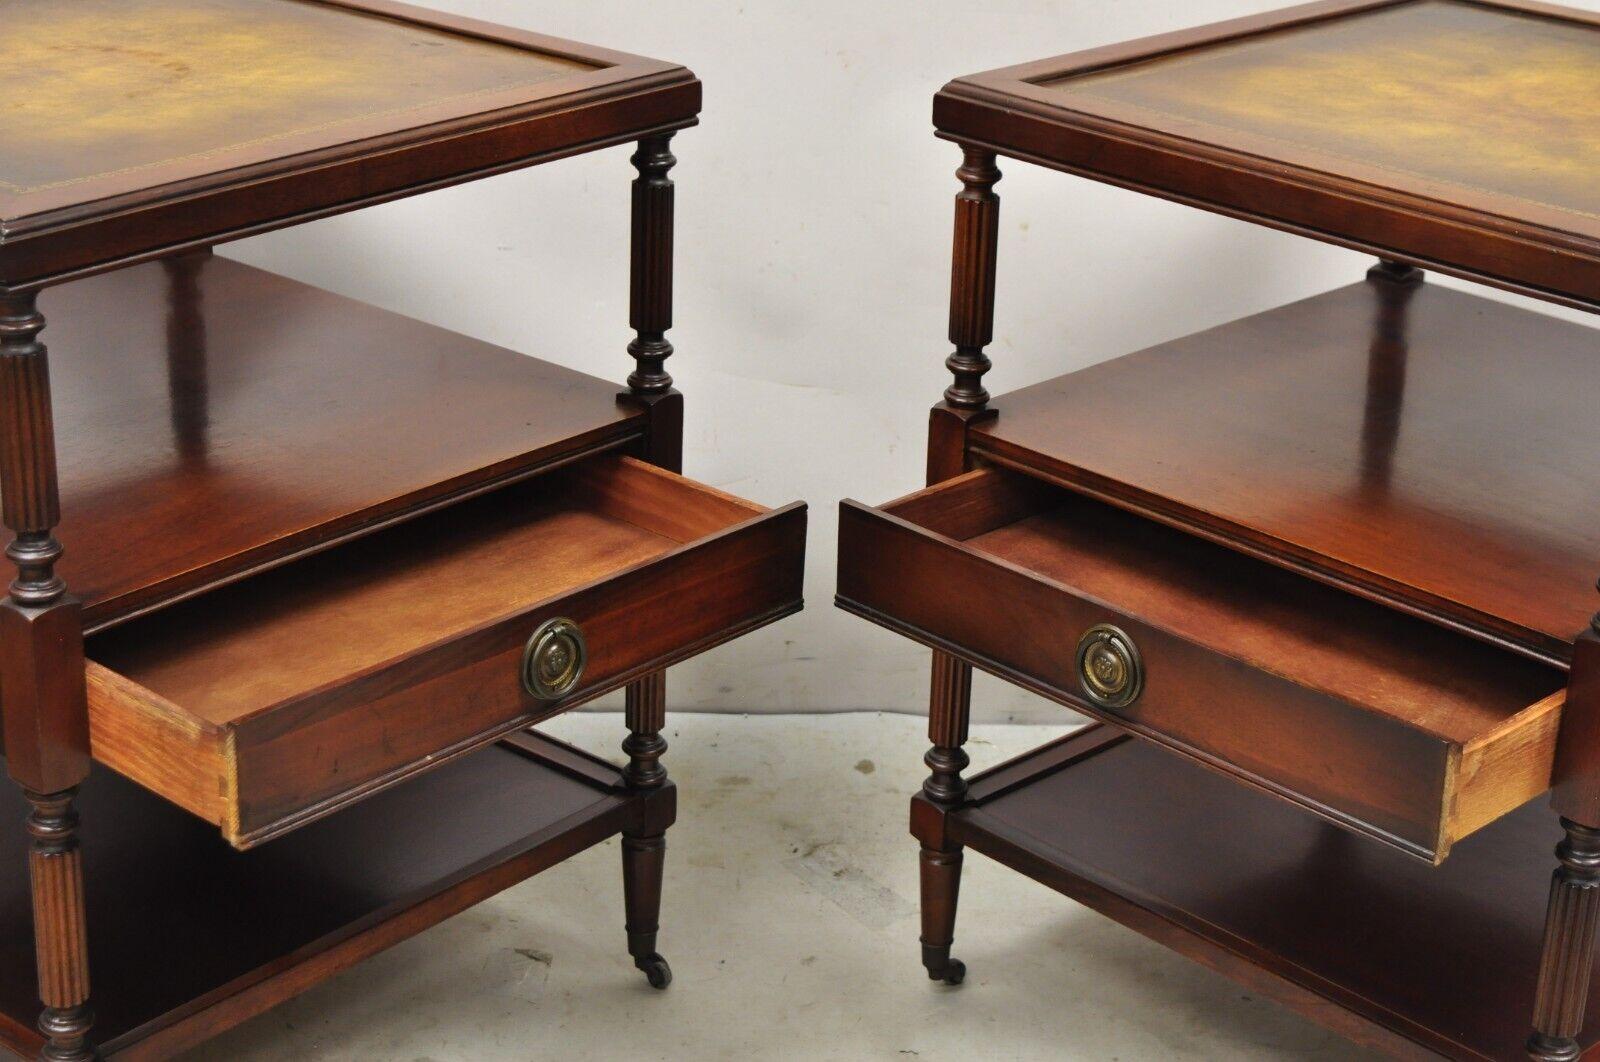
(323, 621)
(1494, 713)
(178, 698)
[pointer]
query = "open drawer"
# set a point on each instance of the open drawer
(268, 703)
(1379, 721)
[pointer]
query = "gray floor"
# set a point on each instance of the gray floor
(790, 921)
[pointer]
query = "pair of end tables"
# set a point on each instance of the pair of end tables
(302, 573)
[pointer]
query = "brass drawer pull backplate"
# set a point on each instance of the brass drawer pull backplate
(553, 661)
(1109, 667)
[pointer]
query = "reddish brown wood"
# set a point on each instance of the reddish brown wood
(947, 440)
(41, 661)
(362, 674)
(645, 710)
(940, 889)
(192, 452)
(113, 215)
(650, 303)
(1567, 958)
(1520, 242)
(1377, 437)
(643, 860)
(241, 932)
(60, 927)
(1364, 715)
(1276, 899)
(1576, 781)
(972, 273)
(949, 709)
(644, 844)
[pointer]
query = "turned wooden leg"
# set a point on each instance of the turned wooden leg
(644, 847)
(972, 276)
(650, 303)
(56, 868)
(941, 886)
(949, 707)
(1569, 942)
(45, 707)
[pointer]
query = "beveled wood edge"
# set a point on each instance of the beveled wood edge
(660, 89)
(1281, 176)
(300, 545)
(1042, 761)
(611, 73)
(251, 839)
(262, 989)
(1016, 90)
(1201, 942)
(578, 764)
(1082, 707)
(1325, 570)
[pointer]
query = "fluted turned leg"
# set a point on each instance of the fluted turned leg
(972, 277)
(650, 305)
(41, 671)
(56, 869)
(1569, 941)
(949, 707)
(644, 850)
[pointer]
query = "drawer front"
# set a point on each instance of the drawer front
(336, 744)
(1347, 764)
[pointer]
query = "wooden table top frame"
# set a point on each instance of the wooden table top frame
(1026, 813)
(336, 121)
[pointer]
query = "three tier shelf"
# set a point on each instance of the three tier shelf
(1325, 575)
(294, 575)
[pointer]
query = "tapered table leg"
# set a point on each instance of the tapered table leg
(949, 708)
(644, 845)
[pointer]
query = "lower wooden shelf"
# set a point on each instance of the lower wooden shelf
(190, 937)
(1413, 959)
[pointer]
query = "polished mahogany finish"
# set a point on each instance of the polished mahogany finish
(1382, 722)
(237, 932)
(1414, 960)
(269, 432)
(1426, 447)
(244, 115)
(1457, 135)
(280, 699)
(321, 549)
(1341, 552)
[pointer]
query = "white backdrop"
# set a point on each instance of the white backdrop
(814, 209)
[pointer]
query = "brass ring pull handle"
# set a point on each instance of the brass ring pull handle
(1109, 668)
(553, 661)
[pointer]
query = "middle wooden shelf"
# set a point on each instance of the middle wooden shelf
(1419, 445)
(271, 702)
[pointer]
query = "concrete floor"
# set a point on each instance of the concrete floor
(790, 920)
